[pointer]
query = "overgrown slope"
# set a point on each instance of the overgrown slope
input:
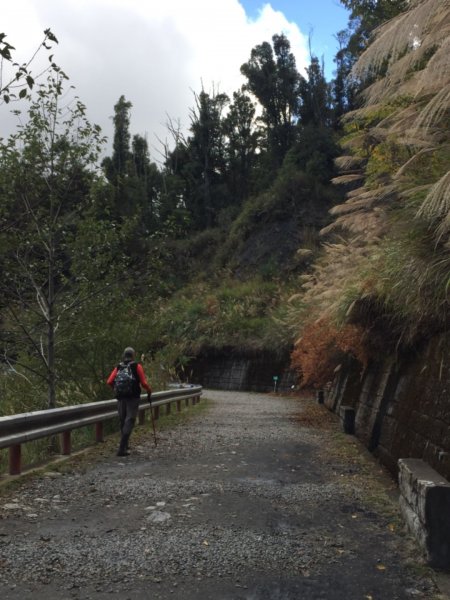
(383, 280)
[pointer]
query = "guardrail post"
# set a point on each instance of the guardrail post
(15, 459)
(186, 401)
(141, 417)
(156, 413)
(168, 408)
(178, 405)
(66, 442)
(99, 431)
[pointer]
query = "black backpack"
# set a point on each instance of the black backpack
(125, 381)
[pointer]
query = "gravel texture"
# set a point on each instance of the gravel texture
(249, 500)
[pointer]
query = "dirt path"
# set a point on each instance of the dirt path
(257, 497)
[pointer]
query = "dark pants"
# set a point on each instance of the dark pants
(128, 410)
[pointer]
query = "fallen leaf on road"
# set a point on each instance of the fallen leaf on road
(381, 567)
(205, 543)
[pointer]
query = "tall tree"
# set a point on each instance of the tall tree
(372, 13)
(117, 166)
(241, 144)
(195, 170)
(343, 87)
(148, 181)
(135, 184)
(45, 173)
(315, 96)
(272, 77)
(207, 150)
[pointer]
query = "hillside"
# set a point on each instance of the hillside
(382, 281)
(369, 273)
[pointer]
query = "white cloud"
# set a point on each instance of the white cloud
(155, 52)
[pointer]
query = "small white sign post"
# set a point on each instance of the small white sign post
(275, 382)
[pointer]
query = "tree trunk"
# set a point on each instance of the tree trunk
(51, 331)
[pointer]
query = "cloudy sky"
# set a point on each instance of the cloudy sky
(156, 52)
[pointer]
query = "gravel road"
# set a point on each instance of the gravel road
(255, 497)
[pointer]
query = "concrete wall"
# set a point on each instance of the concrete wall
(252, 372)
(402, 405)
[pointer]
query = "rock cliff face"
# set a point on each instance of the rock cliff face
(402, 405)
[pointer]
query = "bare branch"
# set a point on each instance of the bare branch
(28, 336)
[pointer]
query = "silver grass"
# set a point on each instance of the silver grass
(436, 205)
(346, 179)
(414, 51)
(348, 163)
(404, 33)
(436, 108)
(410, 163)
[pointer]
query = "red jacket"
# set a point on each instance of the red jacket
(141, 375)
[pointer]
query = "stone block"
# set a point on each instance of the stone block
(425, 504)
(388, 432)
(347, 414)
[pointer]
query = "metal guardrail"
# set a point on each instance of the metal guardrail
(26, 427)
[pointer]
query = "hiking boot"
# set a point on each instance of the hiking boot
(122, 452)
(123, 446)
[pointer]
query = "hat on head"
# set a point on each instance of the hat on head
(129, 353)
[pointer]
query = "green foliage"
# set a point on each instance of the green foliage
(300, 194)
(243, 138)
(313, 153)
(430, 166)
(374, 12)
(315, 108)
(17, 85)
(370, 117)
(45, 174)
(412, 277)
(385, 159)
(227, 314)
(273, 79)
(131, 201)
(365, 17)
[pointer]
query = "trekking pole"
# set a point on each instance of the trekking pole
(149, 398)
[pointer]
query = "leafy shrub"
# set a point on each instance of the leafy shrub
(322, 348)
(385, 159)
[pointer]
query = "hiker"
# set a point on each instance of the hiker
(126, 380)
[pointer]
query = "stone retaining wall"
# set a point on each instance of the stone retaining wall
(402, 405)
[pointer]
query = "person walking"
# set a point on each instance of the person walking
(126, 380)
